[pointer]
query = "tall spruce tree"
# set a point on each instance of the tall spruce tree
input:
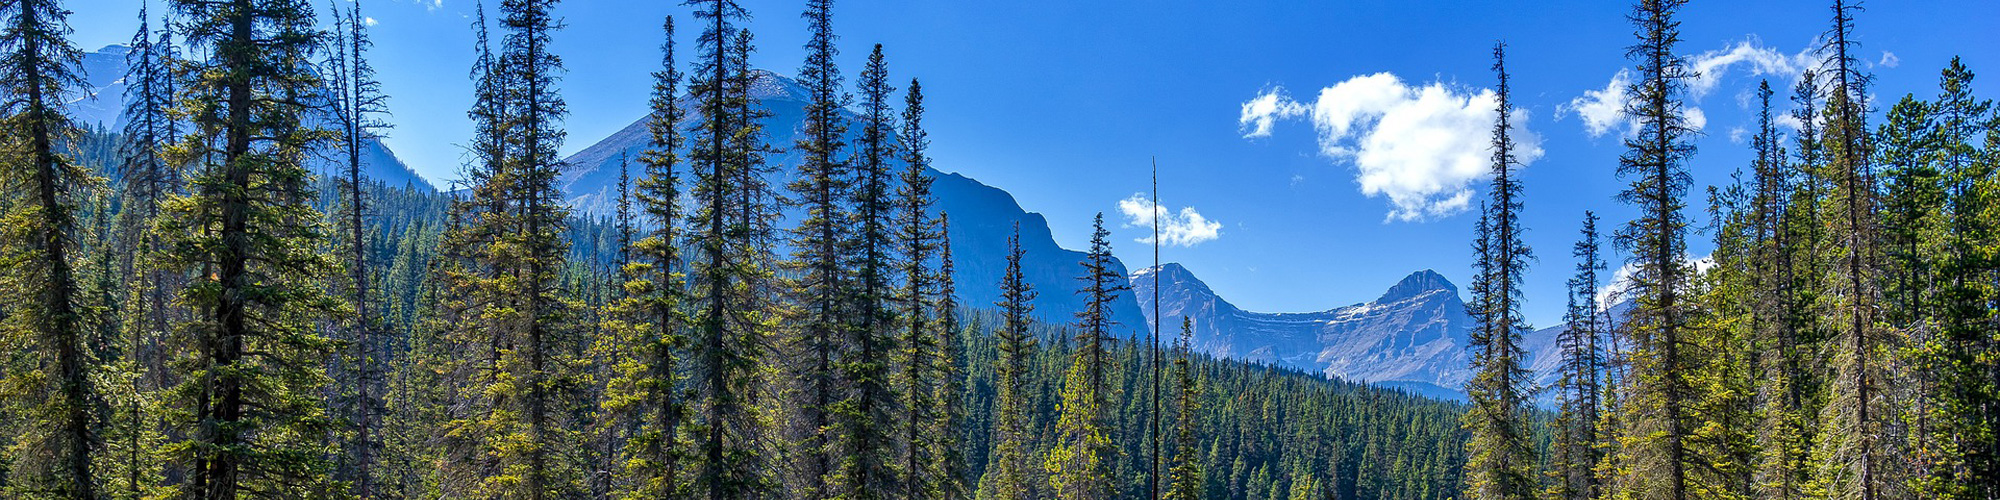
(1781, 469)
(819, 243)
(1500, 457)
(249, 390)
(1655, 447)
(144, 181)
(1079, 464)
(643, 396)
(1185, 467)
(729, 275)
(50, 384)
(949, 422)
(1964, 453)
(925, 473)
(863, 419)
(1574, 453)
(1008, 475)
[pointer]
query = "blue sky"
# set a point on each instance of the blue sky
(1349, 188)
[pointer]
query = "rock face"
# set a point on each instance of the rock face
(982, 216)
(1413, 336)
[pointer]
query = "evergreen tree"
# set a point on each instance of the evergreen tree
(949, 422)
(925, 472)
(145, 181)
(49, 382)
(1007, 476)
(1079, 464)
(1574, 454)
(730, 273)
(250, 385)
(356, 100)
(1500, 456)
(643, 396)
(1185, 467)
(1657, 419)
(819, 245)
(1855, 453)
(1783, 433)
(862, 419)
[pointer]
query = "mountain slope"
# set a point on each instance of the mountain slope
(981, 216)
(1413, 336)
(103, 104)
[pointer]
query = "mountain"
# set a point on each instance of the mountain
(1413, 336)
(981, 216)
(103, 104)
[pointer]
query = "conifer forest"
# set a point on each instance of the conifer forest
(213, 296)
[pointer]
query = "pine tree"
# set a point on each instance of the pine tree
(250, 386)
(1783, 434)
(1657, 420)
(862, 419)
(925, 471)
(1964, 457)
(1007, 476)
(818, 257)
(1854, 453)
(50, 384)
(144, 182)
(729, 275)
(356, 100)
(950, 421)
(1500, 457)
(1186, 467)
(1079, 464)
(1574, 454)
(643, 395)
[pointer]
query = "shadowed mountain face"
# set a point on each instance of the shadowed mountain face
(982, 216)
(103, 104)
(1413, 336)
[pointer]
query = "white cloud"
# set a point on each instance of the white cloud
(1266, 109)
(1620, 286)
(1889, 60)
(1603, 111)
(1420, 146)
(370, 21)
(1186, 228)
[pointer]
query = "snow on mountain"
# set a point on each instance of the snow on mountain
(1413, 336)
(982, 216)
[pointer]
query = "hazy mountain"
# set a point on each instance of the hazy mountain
(1413, 336)
(981, 216)
(103, 104)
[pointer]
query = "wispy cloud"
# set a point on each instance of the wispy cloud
(1185, 228)
(1889, 60)
(1603, 110)
(1421, 146)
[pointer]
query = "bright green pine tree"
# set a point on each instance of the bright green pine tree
(1782, 433)
(818, 243)
(1008, 473)
(925, 472)
(249, 399)
(1963, 446)
(1655, 451)
(643, 395)
(729, 273)
(1501, 459)
(1574, 454)
(49, 385)
(1185, 467)
(1855, 455)
(1079, 464)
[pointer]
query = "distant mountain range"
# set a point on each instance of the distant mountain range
(103, 104)
(981, 216)
(1413, 336)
